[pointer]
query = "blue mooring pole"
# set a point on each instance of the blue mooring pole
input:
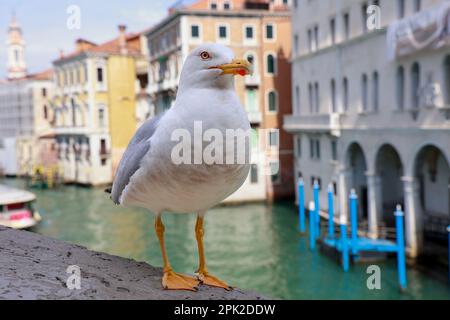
(312, 237)
(330, 212)
(401, 262)
(354, 219)
(301, 205)
(345, 254)
(317, 209)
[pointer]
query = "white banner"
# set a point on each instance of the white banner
(429, 29)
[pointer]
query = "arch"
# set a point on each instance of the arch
(355, 160)
(432, 171)
(389, 168)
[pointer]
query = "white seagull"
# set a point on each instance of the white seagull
(147, 176)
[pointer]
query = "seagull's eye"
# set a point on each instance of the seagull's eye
(205, 55)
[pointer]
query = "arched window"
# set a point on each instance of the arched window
(345, 93)
(375, 91)
(401, 8)
(311, 97)
(400, 87)
(317, 97)
(364, 92)
(101, 116)
(272, 101)
(415, 85)
(271, 64)
(333, 96)
(45, 112)
(252, 60)
(417, 5)
(446, 86)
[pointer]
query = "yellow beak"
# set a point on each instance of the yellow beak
(237, 66)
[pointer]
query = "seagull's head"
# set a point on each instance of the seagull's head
(212, 65)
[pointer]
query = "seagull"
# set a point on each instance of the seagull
(147, 175)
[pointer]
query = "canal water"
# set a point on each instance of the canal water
(254, 247)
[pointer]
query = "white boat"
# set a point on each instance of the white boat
(16, 208)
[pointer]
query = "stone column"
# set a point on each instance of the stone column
(413, 216)
(344, 174)
(375, 205)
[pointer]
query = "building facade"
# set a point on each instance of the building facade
(96, 89)
(371, 110)
(258, 31)
(25, 112)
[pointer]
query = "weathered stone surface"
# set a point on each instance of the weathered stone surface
(34, 267)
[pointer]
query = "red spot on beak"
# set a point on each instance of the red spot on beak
(242, 72)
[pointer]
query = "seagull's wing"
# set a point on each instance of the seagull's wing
(131, 159)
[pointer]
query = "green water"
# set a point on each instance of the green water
(254, 247)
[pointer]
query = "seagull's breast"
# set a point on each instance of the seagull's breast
(161, 184)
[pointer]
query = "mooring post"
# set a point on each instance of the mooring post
(317, 208)
(330, 211)
(312, 237)
(354, 219)
(344, 244)
(301, 205)
(401, 262)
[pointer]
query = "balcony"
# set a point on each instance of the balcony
(253, 80)
(313, 122)
(255, 117)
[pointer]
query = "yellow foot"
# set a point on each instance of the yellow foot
(212, 281)
(176, 281)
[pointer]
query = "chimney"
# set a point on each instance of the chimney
(83, 45)
(122, 39)
(61, 53)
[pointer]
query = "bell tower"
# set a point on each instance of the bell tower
(16, 51)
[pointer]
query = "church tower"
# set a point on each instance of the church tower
(16, 51)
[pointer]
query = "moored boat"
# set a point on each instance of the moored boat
(16, 208)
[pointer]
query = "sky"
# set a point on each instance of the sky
(44, 25)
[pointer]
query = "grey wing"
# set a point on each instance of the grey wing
(131, 159)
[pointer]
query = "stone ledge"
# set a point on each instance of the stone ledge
(34, 267)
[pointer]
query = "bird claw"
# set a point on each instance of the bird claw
(176, 281)
(210, 280)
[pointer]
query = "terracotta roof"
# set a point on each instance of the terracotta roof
(43, 75)
(133, 46)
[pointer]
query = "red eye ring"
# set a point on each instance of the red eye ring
(205, 55)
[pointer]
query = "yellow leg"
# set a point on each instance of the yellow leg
(203, 274)
(172, 280)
